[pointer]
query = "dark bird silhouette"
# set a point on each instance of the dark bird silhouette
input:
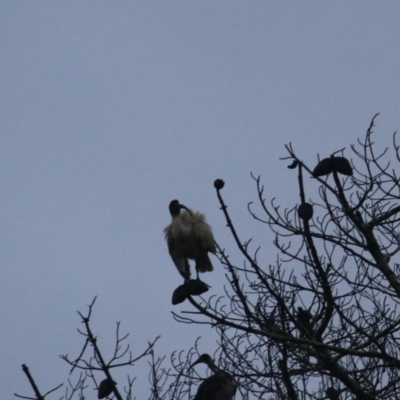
(332, 393)
(189, 237)
(304, 320)
(219, 386)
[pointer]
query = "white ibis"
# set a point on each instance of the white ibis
(189, 237)
(219, 386)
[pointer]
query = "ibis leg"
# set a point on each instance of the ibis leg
(187, 270)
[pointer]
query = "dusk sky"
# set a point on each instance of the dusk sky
(109, 110)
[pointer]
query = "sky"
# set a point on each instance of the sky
(109, 110)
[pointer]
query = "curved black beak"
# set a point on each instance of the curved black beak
(196, 362)
(182, 206)
(175, 207)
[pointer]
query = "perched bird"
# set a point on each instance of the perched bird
(219, 386)
(332, 393)
(189, 237)
(304, 320)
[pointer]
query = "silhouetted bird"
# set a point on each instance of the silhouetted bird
(219, 386)
(189, 237)
(304, 320)
(332, 393)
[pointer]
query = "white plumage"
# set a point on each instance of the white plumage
(189, 236)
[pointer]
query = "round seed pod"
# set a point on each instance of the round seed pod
(179, 295)
(219, 184)
(342, 165)
(305, 211)
(105, 388)
(196, 287)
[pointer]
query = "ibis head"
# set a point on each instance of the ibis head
(206, 359)
(175, 208)
(219, 386)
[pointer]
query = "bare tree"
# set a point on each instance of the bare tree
(90, 361)
(322, 321)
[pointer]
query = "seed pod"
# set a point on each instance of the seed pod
(324, 167)
(196, 287)
(179, 295)
(219, 184)
(293, 165)
(342, 165)
(305, 211)
(105, 388)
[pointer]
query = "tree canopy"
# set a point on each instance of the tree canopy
(319, 321)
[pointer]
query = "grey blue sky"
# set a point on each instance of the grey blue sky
(109, 110)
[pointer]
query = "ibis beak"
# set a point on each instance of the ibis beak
(196, 362)
(182, 206)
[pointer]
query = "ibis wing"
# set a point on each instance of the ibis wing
(180, 262)
(209, 389)
(168, 238)
(203, 233)
(216, 388)
(203, 392)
